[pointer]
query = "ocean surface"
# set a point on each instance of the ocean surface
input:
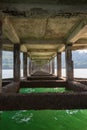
(44, 119)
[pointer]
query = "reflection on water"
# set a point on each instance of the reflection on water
(71, 111)
(22, 116)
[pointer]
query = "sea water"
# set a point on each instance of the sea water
(78, 73)
(44, 119)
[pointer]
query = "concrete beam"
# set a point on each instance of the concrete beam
(42, 50)
(81, 47)
(47, 2)
(78, 31)
(43, 101)
(35, 9)
(42, 41)
(9, 31)
(82, 41)
(40, 58)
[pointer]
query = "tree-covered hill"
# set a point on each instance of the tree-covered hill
(7, 60)
(79, 58)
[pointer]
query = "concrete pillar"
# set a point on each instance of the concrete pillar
(16, 62)
(0, 57)
(59, 68)
(32, 66)
(29, 66)
(49, 67)
(53, 66)
(69, 62)
(25, 64)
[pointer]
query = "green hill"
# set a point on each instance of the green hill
(7, 60)
(80, 60)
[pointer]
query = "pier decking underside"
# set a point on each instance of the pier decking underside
(75, 98)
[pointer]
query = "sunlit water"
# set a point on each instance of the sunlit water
(78, 73)
(44, 119)
(9, 73)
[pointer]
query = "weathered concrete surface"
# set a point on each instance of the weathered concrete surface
(76, 86)
(53, 66)
(25, 65)
(69, 62)
(81, 80)
(48, 1)
(59, 65)
(41, 101)
(16, 63)
(6, 82)
(42, 84)
(42, 78)
(11, 88)
(41, 73)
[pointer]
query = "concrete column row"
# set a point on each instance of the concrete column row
(69, 63)
(68, 55)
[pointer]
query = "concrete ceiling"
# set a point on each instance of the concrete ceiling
(42, 28)
(47, 1)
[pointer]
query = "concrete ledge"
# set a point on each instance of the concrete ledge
(42, 78)
(40, 101)
(76, 86)
(42, 84)
(83, 81)
(11, 88)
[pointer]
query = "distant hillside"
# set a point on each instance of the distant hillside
(80, 60)
(7, 60)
